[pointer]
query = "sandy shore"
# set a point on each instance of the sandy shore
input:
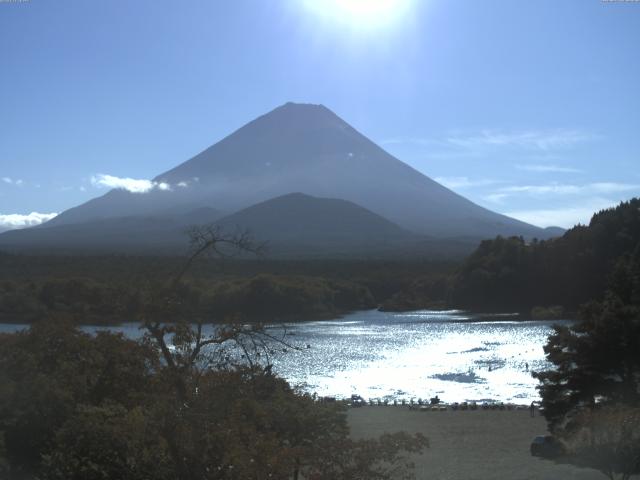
(469, 445)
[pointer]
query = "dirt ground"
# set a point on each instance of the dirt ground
(469, 445)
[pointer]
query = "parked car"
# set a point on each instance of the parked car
(546, 446)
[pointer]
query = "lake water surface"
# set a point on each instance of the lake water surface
(458, 356)
(455, 355)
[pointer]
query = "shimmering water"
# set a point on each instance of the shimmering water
(459, 357)
(455, 355)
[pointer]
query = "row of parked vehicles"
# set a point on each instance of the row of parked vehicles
(358, 401)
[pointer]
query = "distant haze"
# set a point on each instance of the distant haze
(295, 148)
(529, 109)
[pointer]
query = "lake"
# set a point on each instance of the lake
(456, 355)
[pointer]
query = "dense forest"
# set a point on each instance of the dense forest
(179, 403)
(113, 289)
(513, 274)
(77, 406)
(546, 279)
(591, 395)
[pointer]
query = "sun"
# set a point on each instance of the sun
(360, 14)
(366, 10)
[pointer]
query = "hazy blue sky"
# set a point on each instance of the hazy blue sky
(530, 108)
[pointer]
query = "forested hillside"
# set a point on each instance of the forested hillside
(113, 289)
(513, 274)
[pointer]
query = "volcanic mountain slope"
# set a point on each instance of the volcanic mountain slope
(139, 234)
(290, 225)
(301, 222)
(305, 148)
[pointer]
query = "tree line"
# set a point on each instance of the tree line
(178, 404)
(518, 275)
(261, 297)
(76, 406)
(591, 396)
(112, 289)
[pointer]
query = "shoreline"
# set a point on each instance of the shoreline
(476, 317)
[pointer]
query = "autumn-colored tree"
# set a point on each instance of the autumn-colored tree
(191, 400)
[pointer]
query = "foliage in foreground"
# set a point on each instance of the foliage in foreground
(591, 398)
(76, 406)
(511, 274)
(259, 297)
(184, 403)
(597, 362)
(607, 439)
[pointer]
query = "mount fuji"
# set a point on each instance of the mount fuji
(295, 148)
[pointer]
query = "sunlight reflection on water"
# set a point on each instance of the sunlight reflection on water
(417, 355)
(456, 355)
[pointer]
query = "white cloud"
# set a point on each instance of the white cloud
(132, 185)
(612, 187)
(15, 220)
(547, 168)
(13, 181)
(570, 189)
(463, 182)
(575, 203)
(538, 140)
(183, 184)
(544, 189)
(565, 217)
(496, 197)
(480, 143)
(408, 140)
(561, 217)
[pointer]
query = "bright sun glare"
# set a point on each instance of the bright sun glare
(360, 14)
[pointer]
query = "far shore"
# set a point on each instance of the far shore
(469, 444)
(476, 317)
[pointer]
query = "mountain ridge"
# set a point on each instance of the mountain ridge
(301, 219)
(292, 225)
(303, 148)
